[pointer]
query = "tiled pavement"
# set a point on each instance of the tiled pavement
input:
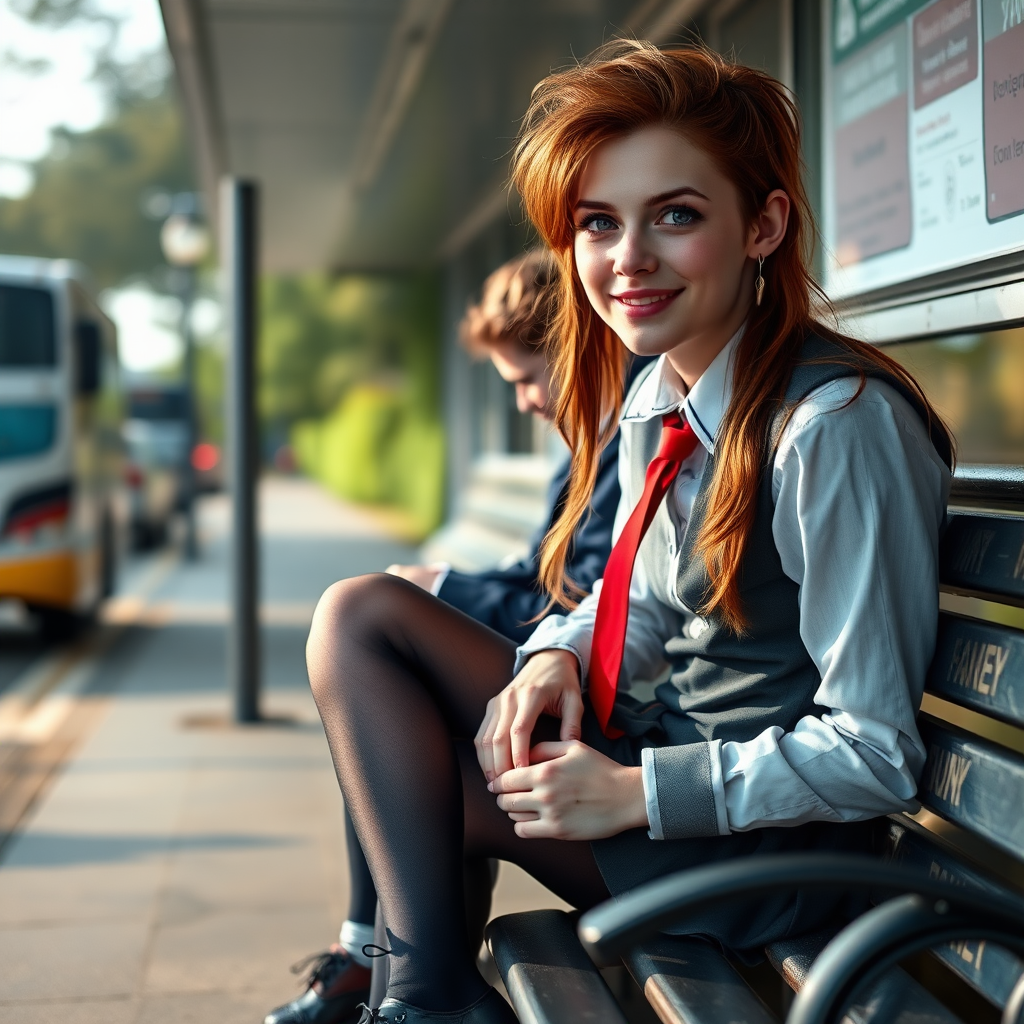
(176, 866)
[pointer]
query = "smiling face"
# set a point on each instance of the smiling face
(663, 249)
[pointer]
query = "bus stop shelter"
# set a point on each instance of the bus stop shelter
(179, 864)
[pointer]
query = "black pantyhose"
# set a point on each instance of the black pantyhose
(362, 898)
(402, 681)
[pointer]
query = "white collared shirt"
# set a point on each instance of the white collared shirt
(848, 478)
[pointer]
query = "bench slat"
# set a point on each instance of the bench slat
(983, 553)
(989, 969)
(895, 998)
(988, 485)
(689, 981)
(548, 975)
(793, 958)
(981, 666)
(974, 783)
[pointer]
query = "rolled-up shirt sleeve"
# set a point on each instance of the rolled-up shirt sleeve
(860, 499)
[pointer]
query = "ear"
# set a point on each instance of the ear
(769, 227)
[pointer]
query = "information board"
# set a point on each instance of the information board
(924, 152)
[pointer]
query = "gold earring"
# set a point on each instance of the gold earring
(759, 283)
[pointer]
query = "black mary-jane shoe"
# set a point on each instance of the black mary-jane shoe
(488, 1009)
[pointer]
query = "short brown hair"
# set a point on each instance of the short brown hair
(518, 301)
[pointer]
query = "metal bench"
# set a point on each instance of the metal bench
(951, 880)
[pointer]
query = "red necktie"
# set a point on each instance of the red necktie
(677, 444)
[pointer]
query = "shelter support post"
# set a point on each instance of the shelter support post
(187, 276)
(239, 207)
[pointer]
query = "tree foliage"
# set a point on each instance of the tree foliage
(320, 335)
(120, 80)
(87, 201)
(350, 373)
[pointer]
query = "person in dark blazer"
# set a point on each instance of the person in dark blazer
(508, 326)
(508, 599)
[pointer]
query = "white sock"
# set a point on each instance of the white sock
(352, 939)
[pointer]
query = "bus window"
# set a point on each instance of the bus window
(27, 332)
(26, 430)
(976, 382)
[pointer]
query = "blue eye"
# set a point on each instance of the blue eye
(681, 216)
(597, 222)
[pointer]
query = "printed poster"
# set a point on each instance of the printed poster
(1003, 61)
(924, 162)
(872, 165)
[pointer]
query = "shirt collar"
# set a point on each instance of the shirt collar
(662, 392)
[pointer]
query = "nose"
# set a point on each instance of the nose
(526, 399)
(632, 256)
(523, 403)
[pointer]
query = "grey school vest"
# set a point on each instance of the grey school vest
(733, 688)
(730, 687)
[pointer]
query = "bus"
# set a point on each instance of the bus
(62, 504)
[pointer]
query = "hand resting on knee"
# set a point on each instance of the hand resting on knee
(554, 790)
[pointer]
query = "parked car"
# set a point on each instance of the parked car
(156, 437)
(62, 502)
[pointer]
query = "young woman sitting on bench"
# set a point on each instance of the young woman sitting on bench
(775, 568)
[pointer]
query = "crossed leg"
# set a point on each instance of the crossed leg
(402, 681)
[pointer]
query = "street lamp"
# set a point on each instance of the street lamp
(185, 242)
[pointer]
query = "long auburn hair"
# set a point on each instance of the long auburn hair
(747, 122)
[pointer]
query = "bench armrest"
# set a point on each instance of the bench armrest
(618, 924)
(882, 937)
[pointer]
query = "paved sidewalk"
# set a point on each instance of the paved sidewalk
(176, 867)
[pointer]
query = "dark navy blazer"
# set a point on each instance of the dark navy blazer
(507, 599)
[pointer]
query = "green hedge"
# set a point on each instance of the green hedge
(374, 448)
(350, 376)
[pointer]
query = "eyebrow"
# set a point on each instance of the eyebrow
(674, 193)
(661, 197)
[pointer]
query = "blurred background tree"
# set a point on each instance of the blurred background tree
(89, 191)
(88, 200)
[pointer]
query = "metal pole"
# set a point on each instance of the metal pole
(188, 290)
(239, 202)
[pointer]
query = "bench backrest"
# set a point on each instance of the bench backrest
(974, 775)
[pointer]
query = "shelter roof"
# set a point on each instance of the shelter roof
(379, 130)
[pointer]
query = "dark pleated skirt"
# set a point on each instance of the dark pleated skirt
(632, 858)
